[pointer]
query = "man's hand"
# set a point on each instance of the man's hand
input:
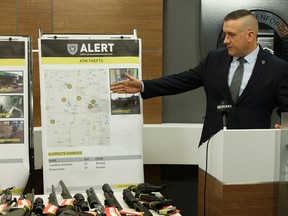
(278, 126)
(130, 86)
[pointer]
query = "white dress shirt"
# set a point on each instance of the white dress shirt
(248, 68)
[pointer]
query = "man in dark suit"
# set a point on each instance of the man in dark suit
(264, 83)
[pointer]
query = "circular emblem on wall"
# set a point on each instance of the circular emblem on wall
(272, 35)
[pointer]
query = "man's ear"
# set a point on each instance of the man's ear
(251, 36)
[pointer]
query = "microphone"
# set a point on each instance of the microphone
(224, 109)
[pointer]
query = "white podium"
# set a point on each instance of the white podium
(243, 173)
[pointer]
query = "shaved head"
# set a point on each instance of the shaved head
(249, 21)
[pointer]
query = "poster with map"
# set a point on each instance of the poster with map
(90, 136)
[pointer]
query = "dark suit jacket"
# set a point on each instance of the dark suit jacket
(267, 88)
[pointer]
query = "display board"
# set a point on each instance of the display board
(90, 136)
(15, 112)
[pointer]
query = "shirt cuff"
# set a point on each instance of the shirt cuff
(142, 86)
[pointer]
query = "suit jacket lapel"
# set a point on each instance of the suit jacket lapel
(226, 63)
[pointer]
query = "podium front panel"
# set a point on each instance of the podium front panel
(243, 156)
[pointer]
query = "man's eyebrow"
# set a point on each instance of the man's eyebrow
(229, 33)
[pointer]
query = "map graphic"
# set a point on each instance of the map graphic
(77, 107)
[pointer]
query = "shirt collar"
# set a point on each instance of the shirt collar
(250, 57)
